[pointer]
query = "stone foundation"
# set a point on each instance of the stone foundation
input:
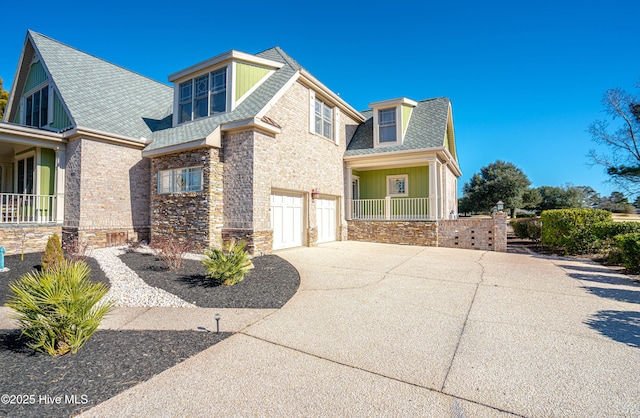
(28, 238)
(111, 237)
(472, 233)
(258, 242)
(395, 232)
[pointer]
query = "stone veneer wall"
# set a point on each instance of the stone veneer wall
(395, 232)
(195, 217)
(106, 191)
(473, 233)
(34, 237)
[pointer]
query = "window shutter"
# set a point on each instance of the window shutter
(336, 125)
(312, 110)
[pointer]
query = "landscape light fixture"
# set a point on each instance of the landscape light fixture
(217, 318)
(500, 205)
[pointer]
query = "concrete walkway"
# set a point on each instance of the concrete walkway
(384, 330)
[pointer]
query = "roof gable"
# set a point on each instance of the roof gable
(100, 95)
(427, 128)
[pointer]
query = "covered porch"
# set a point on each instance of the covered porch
(31, 176)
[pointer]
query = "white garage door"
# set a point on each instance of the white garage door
(286, 220)
(326, 219)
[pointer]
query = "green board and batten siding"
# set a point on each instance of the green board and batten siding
(36, 76)
(47, 171)
(406, 114)
(247, 76)
(60, 118)
(373, 184)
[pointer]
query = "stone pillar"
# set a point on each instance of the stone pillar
(499, 231)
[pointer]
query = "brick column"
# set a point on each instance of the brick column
(499, 231)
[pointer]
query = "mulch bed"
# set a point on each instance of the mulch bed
(269, 285)
(31, 262)
(109, 363)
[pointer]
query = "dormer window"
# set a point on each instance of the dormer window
(203, 96)
(390, 121)
(387, 125)
(37, 108)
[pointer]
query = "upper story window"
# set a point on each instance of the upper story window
(323, 119)
(37, 108)
(203, 96)
(180, 180)
(387, 124)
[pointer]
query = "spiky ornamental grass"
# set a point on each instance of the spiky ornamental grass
(58, 308)
(228, 265)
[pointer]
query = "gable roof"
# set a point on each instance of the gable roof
(427, 129)
(98, 95)
(166, 136)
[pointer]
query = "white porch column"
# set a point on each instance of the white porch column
(61, 162)
(349, 192)
(433, 190)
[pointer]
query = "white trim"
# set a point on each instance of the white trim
(204, 66)
(404, 177)
(274, 99)
(250, 123)
(336, 125)
(312, 111)
(403, 158)
(312, 82)
(393, 102)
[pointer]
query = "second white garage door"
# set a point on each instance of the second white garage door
(326, 219)
(286, 220)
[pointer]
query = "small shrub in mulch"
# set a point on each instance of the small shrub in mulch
(269, 285)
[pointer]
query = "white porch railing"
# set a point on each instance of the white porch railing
(391, 209)
(27, 208)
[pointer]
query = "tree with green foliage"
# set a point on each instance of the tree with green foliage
(616, 203)
(497, 181)
(4, 96)
(567, 197)
(623, 164)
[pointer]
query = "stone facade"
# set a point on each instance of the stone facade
(472, 233)
(106, 191)
(195, 217)
(30, 239)
(395, 232)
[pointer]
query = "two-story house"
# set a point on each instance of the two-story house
(241, 145)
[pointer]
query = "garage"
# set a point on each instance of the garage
(326, 219)
(286, 220)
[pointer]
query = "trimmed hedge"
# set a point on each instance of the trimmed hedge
(607, 230)
(527, 228)
(572, 229)
(629, 245)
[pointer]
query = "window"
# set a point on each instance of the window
(26, 169)
(323, 119)
(180, 180)
(203, 96)
(397, 186)
(37, 108)
(387, 122)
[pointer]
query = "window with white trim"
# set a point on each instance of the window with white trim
(323, 119)
(37, 108)
(398, 186)
(180, 180)
(203, 96)
(387, 125)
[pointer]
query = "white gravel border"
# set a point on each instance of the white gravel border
(127, 288)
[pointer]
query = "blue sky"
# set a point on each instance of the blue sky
(525, 78)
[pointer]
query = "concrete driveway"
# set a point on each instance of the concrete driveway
(385, 330)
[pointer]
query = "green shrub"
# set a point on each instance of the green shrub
(57, 308)
(527, 228)
(629, 245)
(53, 254)
(572, 229)
(229, 265)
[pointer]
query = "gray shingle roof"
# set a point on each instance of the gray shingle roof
(101, 95)
(167, 136)
(426, 129)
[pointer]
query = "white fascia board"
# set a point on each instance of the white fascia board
(315, 84)
(393, 102)
(172, 149)
(249, 124)
(405, 158)
(18, 134)
(104, 136)
(232, 55)
(14, 84)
